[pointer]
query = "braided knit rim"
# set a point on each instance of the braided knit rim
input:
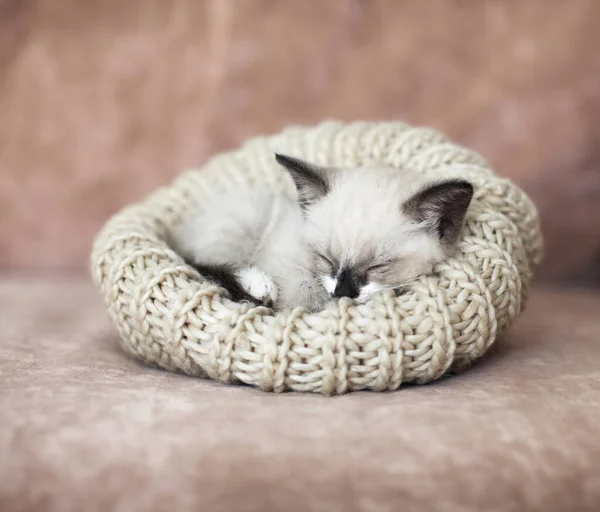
(169, 316)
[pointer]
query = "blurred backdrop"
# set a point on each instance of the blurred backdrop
(101, 101)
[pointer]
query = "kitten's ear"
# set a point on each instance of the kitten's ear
(312, 182)
(443, 206)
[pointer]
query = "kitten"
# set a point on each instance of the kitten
(351, 233)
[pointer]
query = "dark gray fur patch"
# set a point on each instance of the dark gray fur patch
(443, 206)
(309, 179)
(224, 276)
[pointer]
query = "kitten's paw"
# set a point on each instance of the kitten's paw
(258, 284)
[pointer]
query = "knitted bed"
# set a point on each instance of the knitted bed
(169, 316)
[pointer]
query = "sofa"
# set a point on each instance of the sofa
(102, 102)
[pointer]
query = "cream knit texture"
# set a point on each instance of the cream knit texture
(169, 316)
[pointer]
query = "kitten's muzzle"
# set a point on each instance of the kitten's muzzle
(347, 285)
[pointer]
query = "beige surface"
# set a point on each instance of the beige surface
(103, 100)
(169, 315)
(83, 427)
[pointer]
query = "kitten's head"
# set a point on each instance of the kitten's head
(374, 229)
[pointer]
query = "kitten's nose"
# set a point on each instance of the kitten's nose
(345, 291)
(346, 285)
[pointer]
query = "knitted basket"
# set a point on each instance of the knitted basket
(169, 316)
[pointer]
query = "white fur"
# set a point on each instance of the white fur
(257, 283)
(259, 232)
(329, 283)
(369, 289)
(253, 227)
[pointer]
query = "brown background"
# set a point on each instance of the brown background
(103, 100)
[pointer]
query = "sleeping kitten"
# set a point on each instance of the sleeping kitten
(351, 233)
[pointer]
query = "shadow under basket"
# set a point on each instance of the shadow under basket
(169, 316)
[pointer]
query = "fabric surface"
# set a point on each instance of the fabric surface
(169, 315)
(101, 101)
(85, 427)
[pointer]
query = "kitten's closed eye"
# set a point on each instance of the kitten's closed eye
(380, 267)
(326, 260)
